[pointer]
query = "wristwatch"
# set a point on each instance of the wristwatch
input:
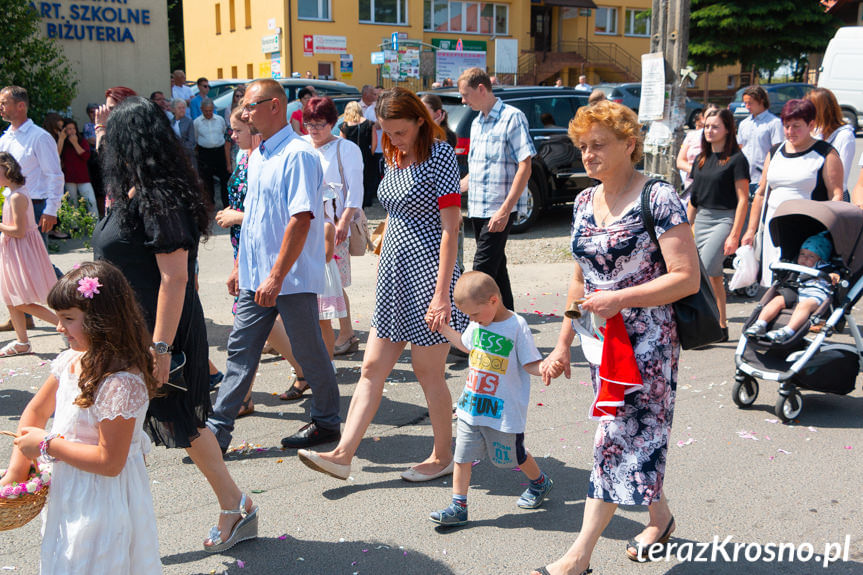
(161, 348)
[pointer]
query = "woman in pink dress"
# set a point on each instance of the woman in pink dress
(26, 274)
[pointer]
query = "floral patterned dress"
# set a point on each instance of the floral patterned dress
(630, 451)
(237, 187)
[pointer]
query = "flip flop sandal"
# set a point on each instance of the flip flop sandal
(544, 571)
(642, 553)
(11, 349)
(294, 393)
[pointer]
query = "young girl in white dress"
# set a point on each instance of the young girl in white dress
(99, 516)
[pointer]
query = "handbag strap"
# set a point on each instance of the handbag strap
(647, 211)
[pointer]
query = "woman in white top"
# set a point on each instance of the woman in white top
(830, 126)
(801, 167)
(342, 162)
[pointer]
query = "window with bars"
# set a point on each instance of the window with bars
(466, 17)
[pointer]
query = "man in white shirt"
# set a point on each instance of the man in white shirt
(582, 85)
(213, 151)
(179, 89)
(36, 151)
(758, 132)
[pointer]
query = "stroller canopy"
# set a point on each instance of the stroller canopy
(796, 220)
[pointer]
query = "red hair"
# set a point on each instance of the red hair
(119, 93)
(401, 104)
(321, 110)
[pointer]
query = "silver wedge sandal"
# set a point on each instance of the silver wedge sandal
(245, 528)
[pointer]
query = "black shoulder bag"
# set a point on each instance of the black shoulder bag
(697, 314)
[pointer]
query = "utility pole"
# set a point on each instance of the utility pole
(670, 35)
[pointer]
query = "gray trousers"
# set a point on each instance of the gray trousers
(252, 325)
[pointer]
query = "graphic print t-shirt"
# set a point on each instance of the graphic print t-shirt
(497, 390)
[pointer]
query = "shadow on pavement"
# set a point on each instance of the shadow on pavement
(301, 557)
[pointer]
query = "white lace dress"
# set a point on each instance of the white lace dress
(94, 524)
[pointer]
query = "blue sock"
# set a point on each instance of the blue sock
(460, 501)
(539, 481)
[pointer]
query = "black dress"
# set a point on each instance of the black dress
(362, 135)
(173, 420)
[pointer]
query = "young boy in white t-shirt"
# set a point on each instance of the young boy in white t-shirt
(492, 409)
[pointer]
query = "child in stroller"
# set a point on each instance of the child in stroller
(813, 291)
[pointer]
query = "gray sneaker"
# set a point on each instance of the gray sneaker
(451, 516)
(779, 335)
(755, 330)
(533, 496)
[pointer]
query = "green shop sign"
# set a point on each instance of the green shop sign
(467, 45)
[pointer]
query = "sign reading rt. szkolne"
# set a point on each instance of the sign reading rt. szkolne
(92, 21)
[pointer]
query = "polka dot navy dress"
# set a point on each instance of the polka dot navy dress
(413, 197)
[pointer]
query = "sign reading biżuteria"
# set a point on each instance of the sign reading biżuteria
(107, 21)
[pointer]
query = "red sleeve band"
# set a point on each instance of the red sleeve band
(449, 201)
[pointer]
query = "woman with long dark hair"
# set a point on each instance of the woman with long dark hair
(151, 233)
(719, 199)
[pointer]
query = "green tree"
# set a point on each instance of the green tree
(34, 62)
(759, 33)
(175, 35)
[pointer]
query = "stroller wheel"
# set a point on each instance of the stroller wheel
(745, 390)
(749, 291)
(788, 407)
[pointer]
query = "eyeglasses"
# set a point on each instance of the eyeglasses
(251, 105)
(315, 126)
(204, 86)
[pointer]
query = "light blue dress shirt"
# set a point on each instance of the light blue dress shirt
(285, 179)
(756, 135)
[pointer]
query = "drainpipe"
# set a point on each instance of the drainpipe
(290, 27)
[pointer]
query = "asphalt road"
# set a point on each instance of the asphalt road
(731, 472)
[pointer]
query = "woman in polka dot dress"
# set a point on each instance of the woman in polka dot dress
(416, 276)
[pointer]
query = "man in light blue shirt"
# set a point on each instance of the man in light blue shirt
(279, 270)
(195, 103)
(758, 132)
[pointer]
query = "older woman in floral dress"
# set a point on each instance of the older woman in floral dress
(620, 270)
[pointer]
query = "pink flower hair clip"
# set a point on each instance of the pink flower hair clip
(87, 287)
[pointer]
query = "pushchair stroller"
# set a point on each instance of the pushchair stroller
(806, 362)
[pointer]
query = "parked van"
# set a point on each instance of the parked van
(842, 72)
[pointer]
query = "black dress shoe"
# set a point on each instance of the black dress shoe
(310, 435)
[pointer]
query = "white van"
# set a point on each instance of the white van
(842, 72)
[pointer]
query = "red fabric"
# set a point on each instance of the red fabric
(618, 372)
(298, 116)
(449, 201)
(74, 165)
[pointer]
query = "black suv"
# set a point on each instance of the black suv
(558, 174)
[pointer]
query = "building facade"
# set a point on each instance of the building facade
(110, 44)
(353, 40)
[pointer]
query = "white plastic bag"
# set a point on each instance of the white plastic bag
(746, 268)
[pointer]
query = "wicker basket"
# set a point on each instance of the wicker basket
(19, 511)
